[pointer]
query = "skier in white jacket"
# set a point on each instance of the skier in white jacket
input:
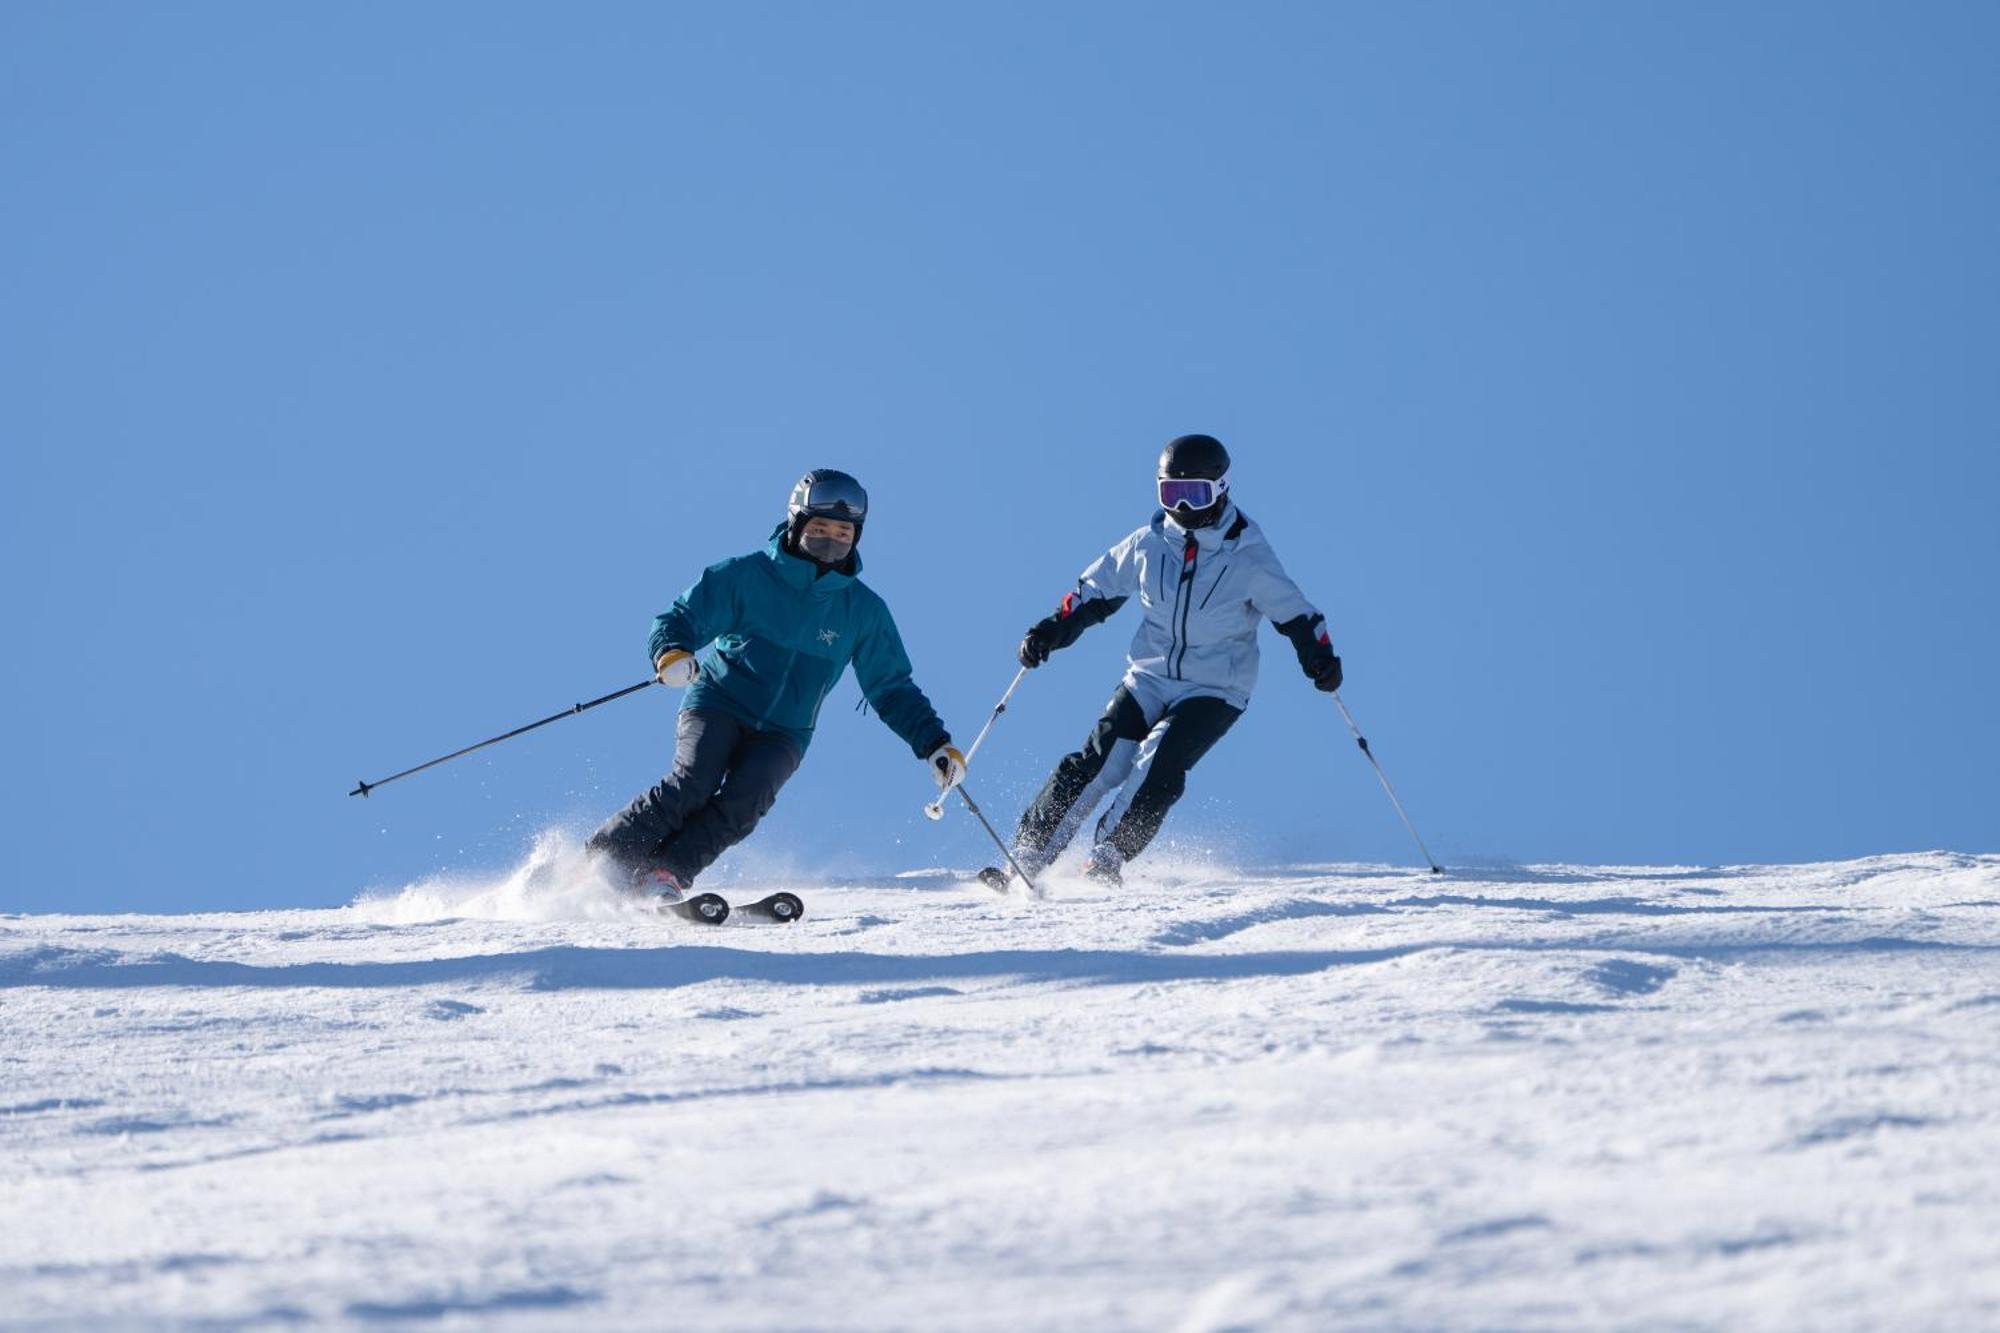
(1205, 579)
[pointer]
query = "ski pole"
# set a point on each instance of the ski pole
(935, 810)
(980, 815)
(367, 787)
(1436, 869)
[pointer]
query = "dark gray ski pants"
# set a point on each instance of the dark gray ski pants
(726, 777)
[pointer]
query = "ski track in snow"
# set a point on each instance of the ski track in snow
(1315, 1097)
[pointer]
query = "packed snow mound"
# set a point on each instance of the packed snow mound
(1290, 1098)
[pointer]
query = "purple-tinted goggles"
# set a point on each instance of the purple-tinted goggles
(1194, 492)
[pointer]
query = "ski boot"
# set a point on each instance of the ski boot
(664, 888)
(1106, 866)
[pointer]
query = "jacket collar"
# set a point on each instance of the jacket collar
(803, 574)
(1207, 540)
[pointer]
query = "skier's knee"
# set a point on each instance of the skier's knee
(1078, 767)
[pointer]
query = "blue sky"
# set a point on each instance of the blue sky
(1620, 379)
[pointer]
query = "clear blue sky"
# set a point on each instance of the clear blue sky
(1623, 380)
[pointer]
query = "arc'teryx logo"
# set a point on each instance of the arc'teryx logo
(827, 636)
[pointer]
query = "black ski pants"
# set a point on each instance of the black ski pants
(1187, 731)
(725, 778)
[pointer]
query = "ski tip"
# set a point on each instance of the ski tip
(706, 909)
(783, 908)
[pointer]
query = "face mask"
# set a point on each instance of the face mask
(825, 550)
(1190, 519)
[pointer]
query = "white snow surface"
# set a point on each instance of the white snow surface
(1330, 1096)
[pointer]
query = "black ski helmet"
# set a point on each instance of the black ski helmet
(827, 492)
(1197, 458)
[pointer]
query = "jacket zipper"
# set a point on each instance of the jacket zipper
(1183, 599)
(1213, 586)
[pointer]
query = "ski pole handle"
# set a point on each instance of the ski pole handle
(935, 810)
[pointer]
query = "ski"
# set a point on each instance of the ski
(994, 878)
(708, 909)
(781, 908)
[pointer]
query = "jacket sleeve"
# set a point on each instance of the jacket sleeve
(699, 616)
(1279, 600)
(882, 666)
(1100, 591)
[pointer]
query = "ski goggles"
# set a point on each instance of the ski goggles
(1194, 492)
(836, 497)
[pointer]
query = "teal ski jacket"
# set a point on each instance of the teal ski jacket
(773, 635)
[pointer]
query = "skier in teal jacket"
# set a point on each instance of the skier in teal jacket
(759, 641)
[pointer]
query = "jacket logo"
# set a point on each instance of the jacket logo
(827, 636)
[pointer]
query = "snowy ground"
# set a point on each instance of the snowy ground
(1339, 1096)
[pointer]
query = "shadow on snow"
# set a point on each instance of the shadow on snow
(571, 967)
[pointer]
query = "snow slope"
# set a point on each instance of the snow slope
(1329, 1096)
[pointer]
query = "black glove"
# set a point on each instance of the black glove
(1037, 644)
(1325, 672)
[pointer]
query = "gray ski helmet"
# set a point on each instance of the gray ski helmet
(827, 492)
(1194, 465)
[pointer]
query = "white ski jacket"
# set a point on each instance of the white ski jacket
(1202, 593)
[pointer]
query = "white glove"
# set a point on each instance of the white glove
(677, 667)
(947, 766)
